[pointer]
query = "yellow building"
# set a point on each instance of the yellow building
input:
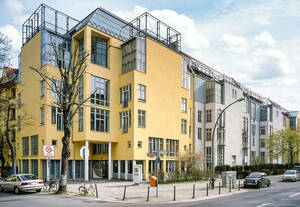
(142, 100)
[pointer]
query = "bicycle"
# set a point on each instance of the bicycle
(50, 185)
(84, 190)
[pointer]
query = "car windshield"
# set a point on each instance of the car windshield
(297, 168)
(252, 175)
(290, 172)
(29, 177)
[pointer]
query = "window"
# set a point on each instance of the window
(80, 90)
(60, 122)
(183, 105)
(42, 115)
(25, 166)
(80, 119)
(199, 116)
(221, 136)
(99, 51)
(141, 118)
(142, 93)
(208, 115)
(277, 113)
(245, 124)
(155, 144)
(253, 129)
(34, 145)
(25, 141)
(271, 114)
(208, 158)
(99, 91)
(34, 167)
(171, 166)
(19, 100)
(54, 142)
(186, 78)
(214, 92)
(19, 123)
(262, 130)
(13, 93)
(172, 148)
(220, 154)
(262, 156)
(140, 144)
(81, 49)
(129, 144)
(99, 120)
(100, 149)
(253, 141)
(262, 143)
(13, 114)
(271, 129)
(13, 135)
(125, 95)
(233, 160)
(199, 133)
(125, 120)
(208, 134)
(42, 89)
(183, 126)
(56, 89)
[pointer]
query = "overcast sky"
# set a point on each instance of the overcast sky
(256, 42)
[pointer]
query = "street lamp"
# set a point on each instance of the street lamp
(212, 142)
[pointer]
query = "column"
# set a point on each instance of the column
(73, 170)
(126, 169)
(119, 169)
(48, 168)
(109, 162)
(146, 172)
(86, 161)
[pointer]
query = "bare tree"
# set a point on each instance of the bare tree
(5, 50)
(67, 86)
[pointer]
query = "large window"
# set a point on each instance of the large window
(172, 147)
(25, 141)
(42, 89)
(80, 120)
(142, 93)
(208, 115)
(199, 116)
(99, 120)
(34, 145)
(80, 90)
(34, 167)
(183, 105)
(208, 158)
(183, 126)
(42, 115)
(125, 120)
(57, 118)
(262, 130)
(262, 143)
(171, 166)
(214, 92)
(155, 144)
(99, 51)
(199, 133)
(100, 149)
(99, 91)
(141, 118)
(125, 95)
(208, 134)
(25, 166)
(56, 90)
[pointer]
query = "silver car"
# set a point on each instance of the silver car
(291, 175)
(21, 183)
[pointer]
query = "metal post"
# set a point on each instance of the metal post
(148, 193)
(239, 185)
(124, 196)
(96, 190)
(85, 191)
(193, 191)
(206, 189)
(229, 186)
(219, 187)
(157, 165)
(232, 184)
(174, 199)
(156, 188)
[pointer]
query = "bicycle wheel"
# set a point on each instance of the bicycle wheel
(82, 190)
(54, 187)
(45, 187)
(93, 191)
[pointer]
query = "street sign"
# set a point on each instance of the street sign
(82, 152)
(151, 154)
(164, 152)
(48, 150)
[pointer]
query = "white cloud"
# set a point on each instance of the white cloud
(236, 44)
(265, 38)
(15, 9)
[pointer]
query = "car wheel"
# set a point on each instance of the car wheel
(16, 190)
(258, 185)
(1, 189)
(268, 184)
(39, 190)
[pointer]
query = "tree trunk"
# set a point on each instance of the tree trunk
(2, 158)
(10, 144)
(65, 155)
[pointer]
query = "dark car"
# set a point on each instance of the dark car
(297, 168)
(257, 179)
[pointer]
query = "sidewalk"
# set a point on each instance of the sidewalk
(113, 191)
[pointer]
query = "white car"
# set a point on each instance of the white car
(22, 183)
(291, 175)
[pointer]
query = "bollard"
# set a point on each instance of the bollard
(229, 186)
(148, 193)
(219, 187)
(232, 184)
(193, 191)
(156, 189)
(174, 199)
(239, 185)
(207, 189)
(124, 196)
(96, 191)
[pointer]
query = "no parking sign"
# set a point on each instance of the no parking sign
(48, 150)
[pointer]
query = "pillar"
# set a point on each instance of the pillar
(73, 170)
(109, 162)
(126, 169)
(48, 168)
(86, 161)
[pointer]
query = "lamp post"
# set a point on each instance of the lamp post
(212, 142)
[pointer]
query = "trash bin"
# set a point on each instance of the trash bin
(153, 181)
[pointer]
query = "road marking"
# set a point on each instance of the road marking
(264, 204)
(293, 195)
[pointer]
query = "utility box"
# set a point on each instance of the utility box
(137, 174)
(228, 177)
(153, 181)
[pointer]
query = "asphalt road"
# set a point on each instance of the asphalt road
(279, 194)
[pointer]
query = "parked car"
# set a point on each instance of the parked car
(291, 175)
(21, 183)
(257, 179)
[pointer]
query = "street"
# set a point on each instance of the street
(279, 194)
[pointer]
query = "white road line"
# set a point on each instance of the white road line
(264, 204)
(293, 195)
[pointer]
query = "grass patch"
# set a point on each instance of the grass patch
(181, 181)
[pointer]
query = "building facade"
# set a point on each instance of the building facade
(147, 96)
